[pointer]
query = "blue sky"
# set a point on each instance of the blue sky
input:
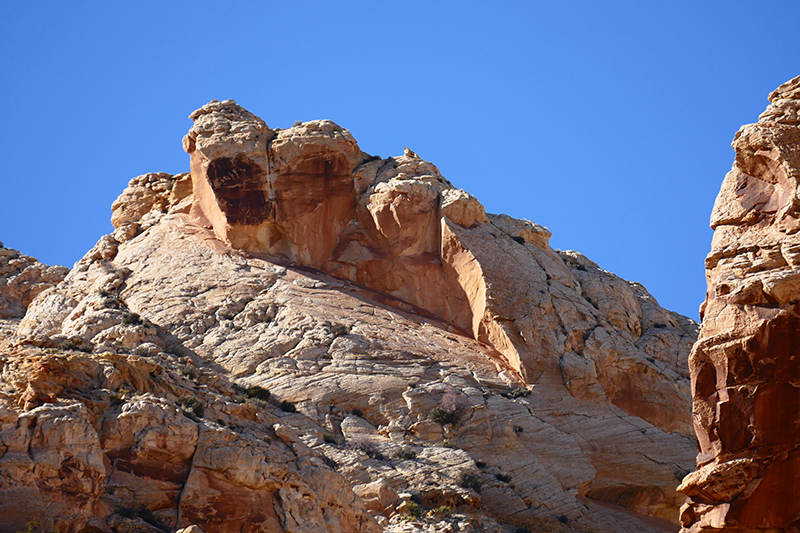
(608, 122)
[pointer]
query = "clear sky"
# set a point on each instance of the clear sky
(608, 122)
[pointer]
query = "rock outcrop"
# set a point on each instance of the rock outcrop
(423, 359)
(22, 278)
(745, 372)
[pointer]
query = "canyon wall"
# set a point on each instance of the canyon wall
(745, 370)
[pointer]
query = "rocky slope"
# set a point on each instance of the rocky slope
(430, 367)
(745, 375)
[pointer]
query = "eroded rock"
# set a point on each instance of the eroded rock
(414, 347)
(745, 375)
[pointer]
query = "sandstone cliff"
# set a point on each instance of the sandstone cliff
(421, 356)
(745, 375)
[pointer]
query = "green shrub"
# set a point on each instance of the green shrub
(257, 392)
(501, 476)
(191, 407)
(127, 512)
(257, 402)
(405, 452)
(287, 406)
(443, 417)
(131, 318)
(340, 330)
(368, 447)
(520, 392)
(148, 516)
(414, 510)
(469, 480)
(31, 527)
(445, 510)
(68, 346)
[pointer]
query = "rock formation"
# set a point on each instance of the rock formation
(22, 278)
(745, 373)
(299, 337)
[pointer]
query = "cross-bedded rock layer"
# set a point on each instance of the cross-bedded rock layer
(745, 370)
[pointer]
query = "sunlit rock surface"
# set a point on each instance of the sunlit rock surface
(441, 360)
(745, 371)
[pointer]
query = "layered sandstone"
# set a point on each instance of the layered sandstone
(369, 293)
(745, 374)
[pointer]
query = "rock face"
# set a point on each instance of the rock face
(22, 278)
(745, 373)
(419, 354)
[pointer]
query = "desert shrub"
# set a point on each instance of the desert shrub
(191, 406)
(131, 318)
(414, 510)
(257, 402)
(187, 371)
(127, 512)
(67, 346)
(445, 510)
(368, 447)
(520, 392)
(143, 513)
(148, 516)
(450, 407)
(469, 480)
(405, 452)
(111, 303)
(340, 330)
(259, 393)
(287, 406)
(501, 476)
(33, 525)
(446, 444)
(443, 417)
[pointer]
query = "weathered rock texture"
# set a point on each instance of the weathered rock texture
(22, 278)
(432, 351)
(745, 371)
